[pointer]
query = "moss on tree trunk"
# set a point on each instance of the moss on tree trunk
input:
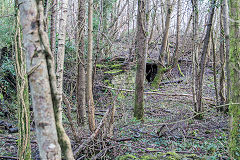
(158, 78)
(234, 108)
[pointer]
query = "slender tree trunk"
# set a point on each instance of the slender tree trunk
(61, 43)
(81, 82)
(234, 108)
(214, 68)
(176, 54)
(53, 27)
(227, 46)
(222, 62)
(200, 75)
(154, 15)
(141, 51)
(164, 55)
(63, 138)
(38, 58)
(24, 148)
(195, 51)
(90, 102)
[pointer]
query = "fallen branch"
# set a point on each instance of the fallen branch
(158, 93)
(94, 135)
(122, 140)
(8, 157)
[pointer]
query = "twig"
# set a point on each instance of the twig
(7, 157)
(94, 135)
(68, 114)
(4, 16)
(122, 140)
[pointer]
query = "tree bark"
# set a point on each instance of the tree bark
(176, 54)
(222, 62)
(90, 102)
(24, 148)
(35, 41)
(214, 68)
(194, 51)
(63, 138)
(162, 53)
(141, 51)
(234, 108)
(200, 75)
(81, 82)
(163, 58)
(227, 47)
(53, 27)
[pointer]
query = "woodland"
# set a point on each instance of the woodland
(120, 79)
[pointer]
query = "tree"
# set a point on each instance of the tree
(40, 70)
(227, 47)
(53, 26)
(141, 51)
(90, 102)
(46, 97)
(222, 61)
(81, 81)
(202, 63)
(24, 148)
(194, 50)
(63, 138)
(234, 108)
(164, 64)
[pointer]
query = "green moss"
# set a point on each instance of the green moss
(149, 157)
(101, 66)
(235, 131)
(158, 78)
(115, 66)
(173, 156)
(127, 157)
(115, 71)
(139, 106)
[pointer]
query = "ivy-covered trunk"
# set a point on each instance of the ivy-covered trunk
(24, 148)
(38, 54)
(235, 78)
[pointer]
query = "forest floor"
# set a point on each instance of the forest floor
(168, 131)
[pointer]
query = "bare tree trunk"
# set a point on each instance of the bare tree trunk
(141, 51)
(81, 82)
(176, 54)
(90, 102)
(222, 62)
(200, 75)
(61, 43)
(162, 54)
(227, 46)
(63, 139)
(194, 51)
(153, 21)
(37, 48)
(234, 108)
(214, 68)
(53, 27)
(24, 148)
